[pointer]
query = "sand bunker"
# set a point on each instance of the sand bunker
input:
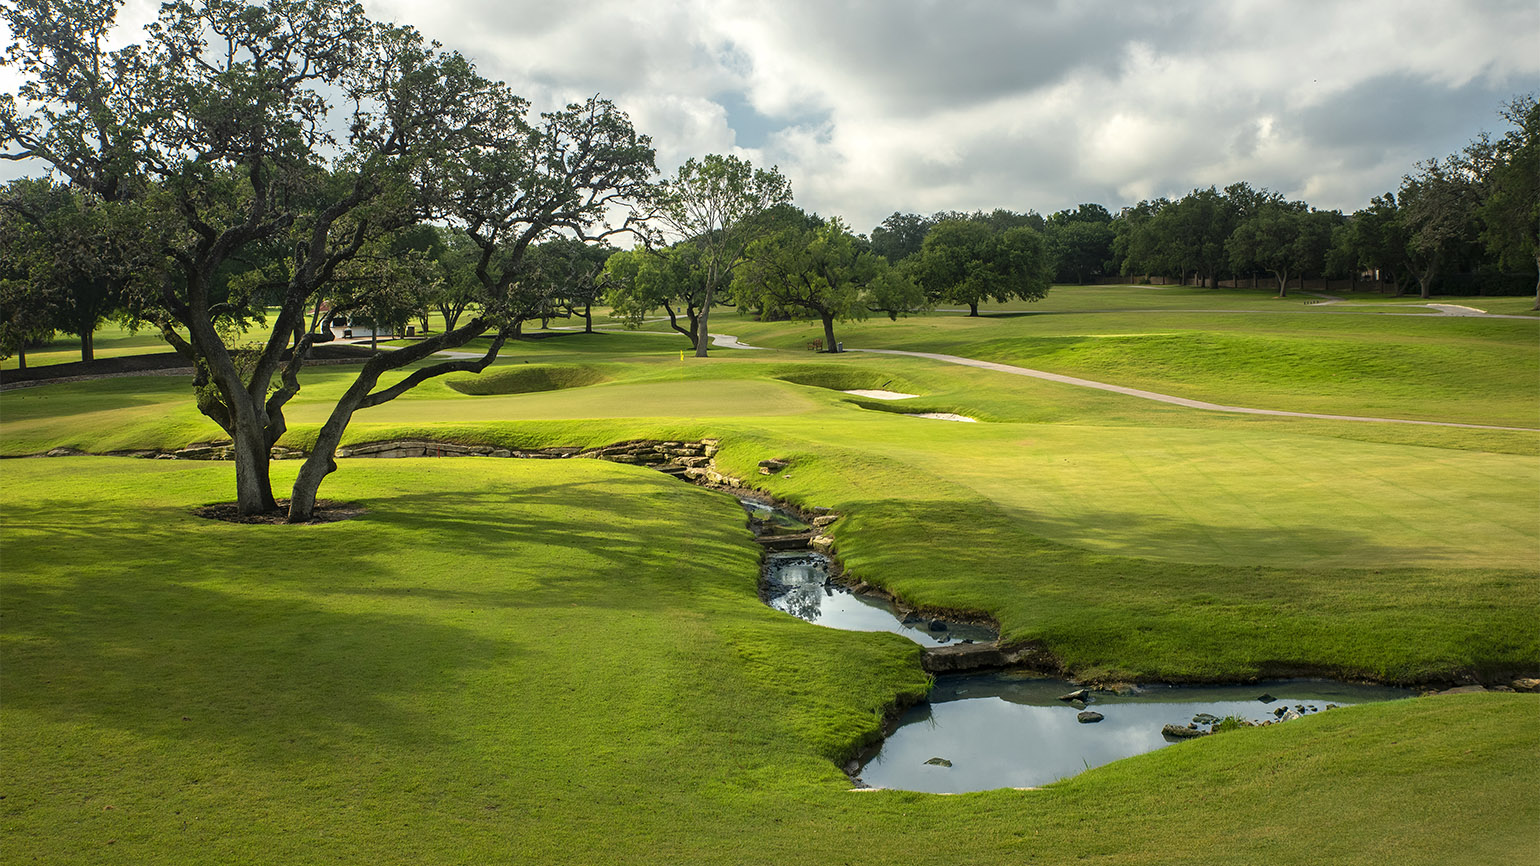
(942, 416)
(879, 394)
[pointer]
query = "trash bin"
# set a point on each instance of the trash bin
(841, 347)
(347, 333)
(411, 330)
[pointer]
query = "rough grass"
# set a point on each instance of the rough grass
(543, 661)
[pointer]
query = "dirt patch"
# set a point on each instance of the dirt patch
(326, 511)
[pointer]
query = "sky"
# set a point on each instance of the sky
(917, 106)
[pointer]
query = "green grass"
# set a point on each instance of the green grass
(565, 661)
(1129, 544)
(111, 341)
(1480, 371)
(526, 661)
(527, 379)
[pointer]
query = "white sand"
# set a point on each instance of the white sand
(942, 416)
(878, 394)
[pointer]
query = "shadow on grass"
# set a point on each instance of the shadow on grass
(277, 640)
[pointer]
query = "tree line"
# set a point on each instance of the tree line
(1468, 223)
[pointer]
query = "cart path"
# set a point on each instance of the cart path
(1167, 398)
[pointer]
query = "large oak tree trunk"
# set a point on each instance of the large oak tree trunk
(361, 395)
(829, 343)
(973, 308)
(253, 487)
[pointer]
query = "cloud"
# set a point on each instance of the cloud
(878, 105)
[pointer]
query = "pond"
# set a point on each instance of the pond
(1003, 730)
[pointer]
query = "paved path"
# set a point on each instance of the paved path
(732, 342)
(1167, 398)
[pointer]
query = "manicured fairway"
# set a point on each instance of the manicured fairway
(565, 661)
(727, 399)
(1481, 371)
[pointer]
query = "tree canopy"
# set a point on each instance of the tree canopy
(965, 261)
(715, 203)
(824, 271)
(278, 150)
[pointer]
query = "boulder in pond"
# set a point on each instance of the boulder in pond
(939, 762)
(1181, 732)
(1205, 719)
(936, 625)
(1076, 695)
(1089, 716)
(1266, 698)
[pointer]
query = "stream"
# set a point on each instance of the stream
(1006, 729)
(799, 582)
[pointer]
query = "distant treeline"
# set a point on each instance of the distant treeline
(1466, 224)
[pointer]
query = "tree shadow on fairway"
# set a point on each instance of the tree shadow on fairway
(173, 634)
(630, 541)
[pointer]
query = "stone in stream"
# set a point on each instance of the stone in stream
(1181, 732)
(1089, 716)
(1266, 698)
(936, 625)
(939, 762)
(1076, 695)
(1205, 719)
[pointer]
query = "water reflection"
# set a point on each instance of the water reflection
(1009, 731)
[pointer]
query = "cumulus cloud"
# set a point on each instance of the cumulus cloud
(875, 106)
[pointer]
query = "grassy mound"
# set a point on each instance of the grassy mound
(528, 379)
(843, 378)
